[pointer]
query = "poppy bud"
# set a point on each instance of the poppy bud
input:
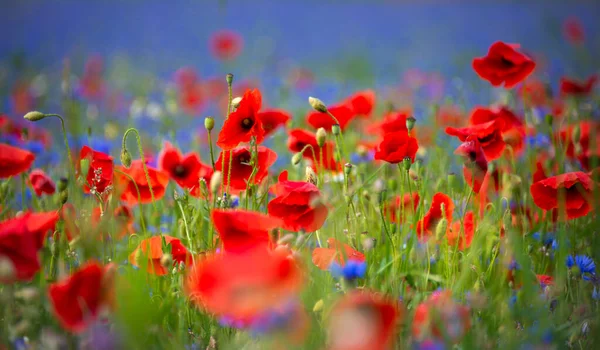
(166, 260)
(236, 102)
(7, 269)
(347, 168)
(34, 116)
(125, 158)
(440, 229)
(407, 163)
(318, 306)
(229, 78)
(410, 123)
(310, 176)
(215, 181)
(209, 123)
(335, 129)
(64, 197)
(296, 158)
(549, 119)
(84, 165)
(321, 137)
(63, 182)
(576, 134)
(317, 105)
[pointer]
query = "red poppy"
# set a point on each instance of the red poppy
(570, 87)
(396, 146)
(342, 113)
(120, 222)
(535, 93)
(241, 169)
(462, 236)
(243, 285)
(407, 202)
(151, 250)
(100, 172)
(242, 230)
(20, 240)
(503, 65)
(488, 134)
(129, 189)
(574, 188)
(364, 320)
(272, 119)
(92, 83)
(513, 129)
(392, 122)
(41, 183)
(545, 280)
(299, 138)
(226, 45)
(243, 123)
(337, 251)
(426, 227)
(573, 30)
(79, 299)
(450, 115)
(14, 161)
(298, 204)
(587, 148)
(475, 165)
(441, 317)
(362, 103)
(186, 170)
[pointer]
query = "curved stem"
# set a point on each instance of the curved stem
(66, 140)
(141, 151)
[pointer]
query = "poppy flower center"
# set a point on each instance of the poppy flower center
(507, 63)
(247, 123)
(244, 158)
(487, 138)
(180, 170)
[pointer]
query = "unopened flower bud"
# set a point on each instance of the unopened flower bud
(321, 137)
(406, 162)
(296, 158)
(440, 229)
(62, 184)
(347, 168)
(410, 123)
(310, 176)
(209, 123)
(63, 197)
(229, 78)
(317, 105)
(125, 158)
(335, 129)
(84, 165)
(34, 116)
(166, 260)
(215, 181)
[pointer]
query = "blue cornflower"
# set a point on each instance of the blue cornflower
(362, 157)
(351, 271)
(235, 202)
(595, 294)
(584, 263)
(538, 141)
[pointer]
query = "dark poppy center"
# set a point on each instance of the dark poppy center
(244, 158)
(180, 171)
(472, 155)
(487, 138)
(507, 63)
(247, 123)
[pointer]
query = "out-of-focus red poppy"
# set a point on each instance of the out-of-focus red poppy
(151, 251)
(120, 222)
(450, 115)
(298, 204)
(298, 139)
(41, 183)
(573, 30)
(441, 317)
(545, 280)
(364, 320)
(587, 148)
(243, 123)
(79, 299)
(503, 65)
(243, 285)
(404, 205)
(426, 227)
(535, 93)
(226, 45)
(129, 192)
(20, 240)
(571, 87)
(68, 214)
(343, 113)
(92, 83)
(575, 189)
(462, 236)
(513, 129)
(362, 103)
(392, 122)
(21, 98)
(300, 78)
(396, 146)
(475, 165)
(488, 134)
(99, 177)
(14, 161)
(241, 230)
(186, 170)
(241, 168)
(337, 251)
(272, 119)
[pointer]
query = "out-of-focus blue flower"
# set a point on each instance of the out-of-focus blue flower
(584, 263)
(235, 202)
(538, 141)
(101, 337)
(351, 271)
(366, 157)
(596, 294)
(20, 344)
(429, 344)
(99, 144)
(514, 265)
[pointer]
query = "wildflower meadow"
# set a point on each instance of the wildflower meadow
(266, 202)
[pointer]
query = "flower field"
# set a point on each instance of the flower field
(142, 210)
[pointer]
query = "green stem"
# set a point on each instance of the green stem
(187, 231)
(212, 157)
(66, 140)
(141, 151)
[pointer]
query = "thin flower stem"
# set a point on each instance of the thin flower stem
(66, 140)
(141, 151)
(212, 156)
(187, 231)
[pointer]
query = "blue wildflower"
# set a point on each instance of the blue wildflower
(429, 344)
(362, 157)
(538, 141)
(351, 271)
(584, 263)
(595, 294)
